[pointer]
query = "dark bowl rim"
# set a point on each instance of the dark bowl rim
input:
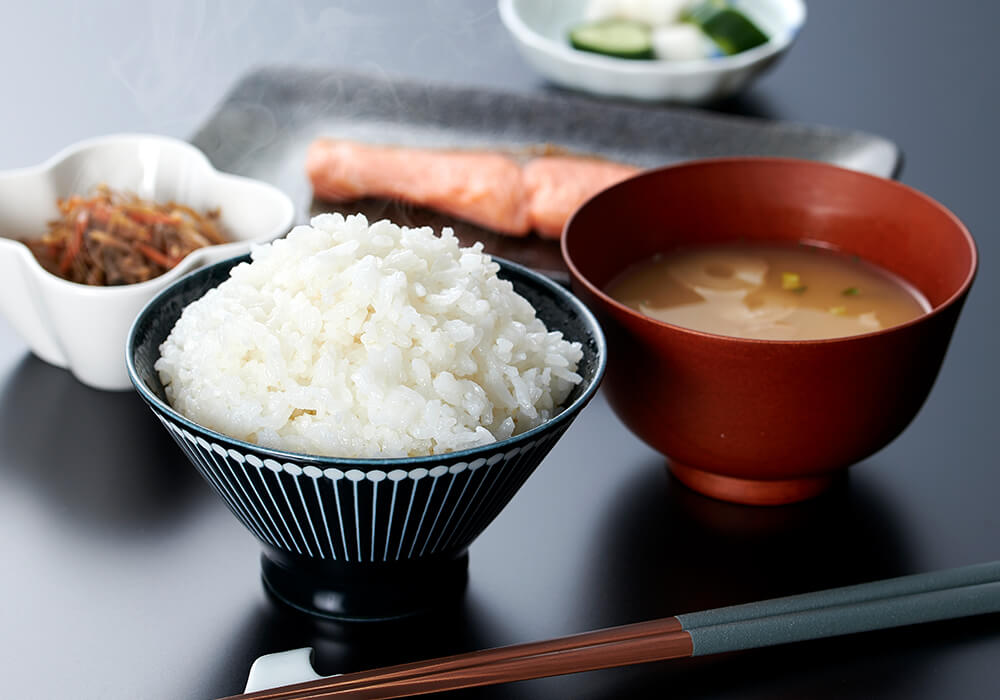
(747, 161)
(565, 415)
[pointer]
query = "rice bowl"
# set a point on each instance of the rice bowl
(339, 534)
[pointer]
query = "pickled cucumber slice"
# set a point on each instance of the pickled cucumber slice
(621, 38)
(732, 30)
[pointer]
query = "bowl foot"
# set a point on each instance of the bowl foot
(750, 491)
(364, 592)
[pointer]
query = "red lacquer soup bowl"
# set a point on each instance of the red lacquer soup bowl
(765, 421)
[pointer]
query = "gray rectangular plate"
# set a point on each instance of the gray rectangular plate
(264, 125)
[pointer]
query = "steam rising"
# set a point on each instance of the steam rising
(177, 59)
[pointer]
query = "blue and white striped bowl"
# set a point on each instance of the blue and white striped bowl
(363, 538)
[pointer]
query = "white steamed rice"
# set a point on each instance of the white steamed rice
(350, 340)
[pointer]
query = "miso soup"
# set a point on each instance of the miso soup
(768, 291)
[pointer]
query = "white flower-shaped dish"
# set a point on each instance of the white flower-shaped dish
(540, 30)
(83, 327)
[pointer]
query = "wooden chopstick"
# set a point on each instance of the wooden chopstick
(669, 645)
(977, 573)
(605, 636)
(650, 647)
(892, 602)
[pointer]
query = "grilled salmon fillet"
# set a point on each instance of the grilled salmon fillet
(479, 186)
(487, 188)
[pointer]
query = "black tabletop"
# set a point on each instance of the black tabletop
(125, 576)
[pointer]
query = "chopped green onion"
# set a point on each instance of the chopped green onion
(838, 310)
(851, 292)
(790, 281)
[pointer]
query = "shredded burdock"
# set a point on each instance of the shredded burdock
(113, 238)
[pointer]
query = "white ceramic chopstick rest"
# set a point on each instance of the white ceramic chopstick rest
(282, 668)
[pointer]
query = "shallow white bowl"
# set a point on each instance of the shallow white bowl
(540, 29)
(83, 327)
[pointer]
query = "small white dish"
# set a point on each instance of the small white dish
(540, 30)
(83, 327)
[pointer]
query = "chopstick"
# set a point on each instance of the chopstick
(585, 640)
(894, 602)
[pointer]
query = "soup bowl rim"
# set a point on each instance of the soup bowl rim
(637, 316)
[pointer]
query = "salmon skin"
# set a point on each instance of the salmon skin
(487, 188)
